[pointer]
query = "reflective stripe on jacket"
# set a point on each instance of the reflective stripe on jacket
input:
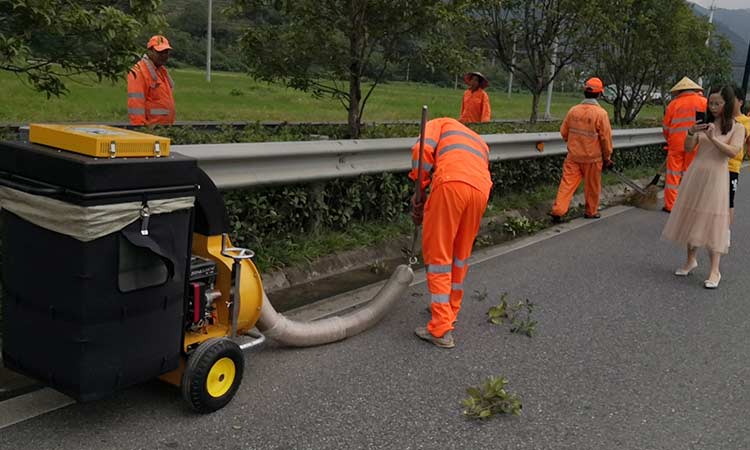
(452, 152)
(679, 117)
(475, 107)
(588, 133)
(150, 98)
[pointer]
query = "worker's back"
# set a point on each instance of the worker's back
(454, 152)
(588, 133)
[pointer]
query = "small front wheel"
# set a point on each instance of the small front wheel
(213, 374)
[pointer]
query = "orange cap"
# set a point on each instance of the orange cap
(159, 43)
(594, 85)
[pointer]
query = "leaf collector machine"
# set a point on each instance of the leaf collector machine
(145, 281)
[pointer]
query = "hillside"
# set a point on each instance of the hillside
(734, 25)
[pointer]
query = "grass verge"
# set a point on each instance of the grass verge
(235, 97)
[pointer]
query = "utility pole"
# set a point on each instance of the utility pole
(708, 38)
(208, 43)
(547, 114)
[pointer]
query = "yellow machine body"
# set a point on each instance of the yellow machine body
(251, 299)
(99, 141)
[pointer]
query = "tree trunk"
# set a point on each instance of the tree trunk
(534, 106)
(355, 67)
(355, 96)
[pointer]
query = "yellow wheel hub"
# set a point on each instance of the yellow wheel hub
(221, 377)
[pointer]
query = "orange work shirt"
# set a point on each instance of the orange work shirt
(452, 152)
(150, 99)
(588, 133)
(475, 107)
(679, 117)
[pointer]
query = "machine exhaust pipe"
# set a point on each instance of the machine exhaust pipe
(307, 334)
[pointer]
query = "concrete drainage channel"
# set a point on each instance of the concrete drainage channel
(320, 290)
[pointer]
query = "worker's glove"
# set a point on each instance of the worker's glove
(608, 164)
(417, 210)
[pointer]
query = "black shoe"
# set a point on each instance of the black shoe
(668, 211)
(594, 216)
(556, 219)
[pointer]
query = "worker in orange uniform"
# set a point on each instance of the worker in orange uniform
(456, 167)
(150, 99)
(476, 103)
(679, 117)
(587, 131)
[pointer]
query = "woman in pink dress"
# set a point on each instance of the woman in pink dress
(700, 216)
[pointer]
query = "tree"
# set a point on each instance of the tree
(645, 46)
(50, 40)
(535, 39)
(327, 47)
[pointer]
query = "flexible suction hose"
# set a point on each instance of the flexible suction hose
(306, 334)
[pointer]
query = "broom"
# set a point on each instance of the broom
(644, 198)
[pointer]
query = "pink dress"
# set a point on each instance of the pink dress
(700, 216)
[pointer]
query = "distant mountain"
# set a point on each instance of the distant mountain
(734, 24)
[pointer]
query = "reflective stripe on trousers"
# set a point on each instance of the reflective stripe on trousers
(452, 216)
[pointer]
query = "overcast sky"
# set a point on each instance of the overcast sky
(726, 4)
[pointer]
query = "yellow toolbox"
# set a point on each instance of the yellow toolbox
(99, 140)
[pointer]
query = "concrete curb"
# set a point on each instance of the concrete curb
(360, 259)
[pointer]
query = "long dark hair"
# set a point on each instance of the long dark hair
(727, 116)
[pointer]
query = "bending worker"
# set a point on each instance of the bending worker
(456, 167)
(679, 117)
(587, 131)
(150, 100)
(475, 106)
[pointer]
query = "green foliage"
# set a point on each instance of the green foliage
(328, 48)
(518, 315)
(529, 36)
(631, 57)
(521, 225)
(490, 399)
(101, 38)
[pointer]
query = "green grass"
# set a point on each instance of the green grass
(234, 97)
(308, 247)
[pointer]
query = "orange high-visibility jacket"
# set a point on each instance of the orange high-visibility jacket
(452, 152)
(588, 133)
(679, 117)
(150, 100)
(475, 107)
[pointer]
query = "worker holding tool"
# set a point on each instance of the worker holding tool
(150, 99)
(455, 165)
(587, 131)
(678, 118)
(475, 106)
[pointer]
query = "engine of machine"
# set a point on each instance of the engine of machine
(201, 294)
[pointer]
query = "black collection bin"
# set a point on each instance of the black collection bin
(89, 318)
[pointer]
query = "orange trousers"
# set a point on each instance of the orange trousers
(452, 216)
(573, 172)
(677, 164)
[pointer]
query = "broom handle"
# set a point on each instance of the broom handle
(418, 182)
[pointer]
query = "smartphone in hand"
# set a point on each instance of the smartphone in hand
(700, 116)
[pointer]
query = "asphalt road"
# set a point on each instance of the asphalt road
(627, 356)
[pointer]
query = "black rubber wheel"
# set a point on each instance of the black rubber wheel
(213, 374)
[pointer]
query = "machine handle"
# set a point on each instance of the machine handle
(238, 253)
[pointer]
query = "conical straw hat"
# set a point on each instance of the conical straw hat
(686, 84)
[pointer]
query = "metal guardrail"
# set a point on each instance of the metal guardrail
(255, 164)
